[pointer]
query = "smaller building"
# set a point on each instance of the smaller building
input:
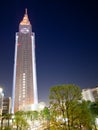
(95, 93)
(1, 100)
(6, 105)
(90, 94)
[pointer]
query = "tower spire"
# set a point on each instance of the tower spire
(25, 20)
(26, 11)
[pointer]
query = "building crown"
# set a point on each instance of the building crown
(25, 20)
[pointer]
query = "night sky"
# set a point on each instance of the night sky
(66, 35)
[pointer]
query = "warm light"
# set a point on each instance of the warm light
(41, 105)
(1, 90)
(97, 121)
(25, 20)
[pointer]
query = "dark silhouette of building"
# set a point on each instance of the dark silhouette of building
(6, 105)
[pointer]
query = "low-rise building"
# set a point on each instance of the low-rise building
(90, 94)
(6, 105)
(1, 100)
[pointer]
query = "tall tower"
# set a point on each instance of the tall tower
(24, 78)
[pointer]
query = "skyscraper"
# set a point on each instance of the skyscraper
(24, 78)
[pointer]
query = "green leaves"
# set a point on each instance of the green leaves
(66, 105)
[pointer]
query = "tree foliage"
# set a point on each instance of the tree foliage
(93, 107)
(20, 120)
(66, 108)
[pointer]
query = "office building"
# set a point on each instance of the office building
(6, 105)
(95, 93)
(87, 95)
(25, 94)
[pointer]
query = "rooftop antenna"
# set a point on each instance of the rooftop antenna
(26, 11)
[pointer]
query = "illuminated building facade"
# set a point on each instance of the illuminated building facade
(87, 95)
(1, 100)
(95, 93)
(24, 79)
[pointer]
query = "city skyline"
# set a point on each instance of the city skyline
(66, 43)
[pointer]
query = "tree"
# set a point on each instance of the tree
(20, 120)
(1, 119)
(83, 116)
(66, 107)
(45, 116)
(35, 115)
(93, 106)
(8, 117)
(29, 115)
(46, 113)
